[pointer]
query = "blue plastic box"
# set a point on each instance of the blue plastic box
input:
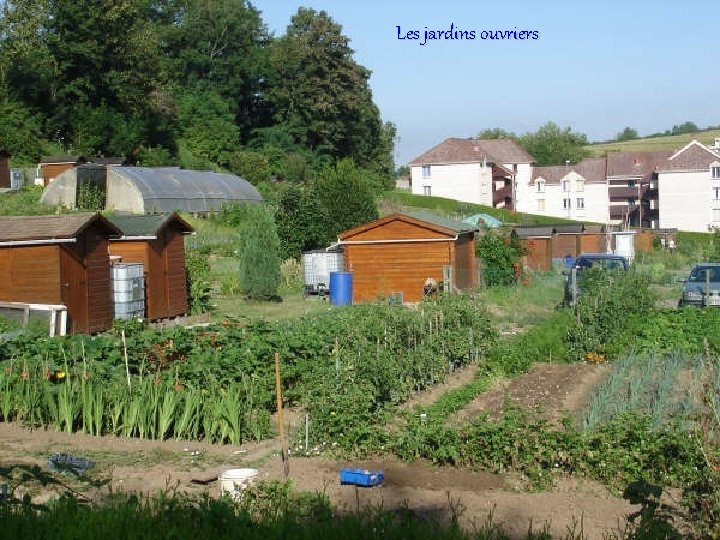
(361, 477)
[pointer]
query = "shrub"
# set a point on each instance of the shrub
(259, 256)
(501, 257)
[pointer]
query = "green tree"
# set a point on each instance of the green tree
(219, 45)
(259, 256)
(252, 166)
(347, 199)
(496, 133)
(207, 126)
(301, 222)
(321, 96)
(19, 131)
(551, 145)
(627, 134)
(686, 127)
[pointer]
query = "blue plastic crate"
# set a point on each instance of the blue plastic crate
(361, 477)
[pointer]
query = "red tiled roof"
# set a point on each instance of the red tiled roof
(591, 169)
(642, 164)
(454, 150)
(694, 156)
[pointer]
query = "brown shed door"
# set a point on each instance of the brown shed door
(73, 291)
(175, 273)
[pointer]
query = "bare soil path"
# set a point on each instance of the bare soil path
(549, 389)
(134, 465)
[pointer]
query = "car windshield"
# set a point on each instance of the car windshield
(700, 273)
(606, 264)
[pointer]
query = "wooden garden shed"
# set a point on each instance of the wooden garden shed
(4, 168)
(59, 260)
(396, 255)
(53, 166)
(538, 243)
(156, 241)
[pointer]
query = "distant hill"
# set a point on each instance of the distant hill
(667, 142)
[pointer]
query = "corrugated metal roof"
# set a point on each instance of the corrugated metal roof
(19, 228)
(446, 223)
(166, 189)
(148, 225)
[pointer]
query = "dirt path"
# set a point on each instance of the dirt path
(135, 465)
(549, 389)
(459, 378)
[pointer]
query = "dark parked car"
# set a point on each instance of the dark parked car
(702, 286)
(606, 261)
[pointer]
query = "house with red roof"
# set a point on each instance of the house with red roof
(689, 189)
(577, 192)
(481, 171)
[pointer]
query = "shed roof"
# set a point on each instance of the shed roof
(445, 223)
(429, 220)
(18, 229)
(528, 232)
(166, 189)
(133, 226)
(454, 150)
(62, 159)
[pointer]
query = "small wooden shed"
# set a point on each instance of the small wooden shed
(400, 252)
(4, 168)
(59, 260)
(53, 166)
(538, 243)
(565, 239)
(156, 241)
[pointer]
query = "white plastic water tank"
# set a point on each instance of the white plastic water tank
(625, 244)
(317, 266)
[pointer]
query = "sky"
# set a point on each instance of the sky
(595, 67)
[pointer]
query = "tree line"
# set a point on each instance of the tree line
(196, 83)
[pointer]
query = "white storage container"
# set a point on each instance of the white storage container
(128, 284)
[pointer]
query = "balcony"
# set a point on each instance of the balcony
(503, 195)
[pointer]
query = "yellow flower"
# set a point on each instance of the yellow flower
(59, 374)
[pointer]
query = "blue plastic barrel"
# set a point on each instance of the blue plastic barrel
(341, 288)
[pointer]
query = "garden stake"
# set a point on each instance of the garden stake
(281, 427)
(127, 368)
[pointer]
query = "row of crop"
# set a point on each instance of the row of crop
(139, 406)
(360, 360)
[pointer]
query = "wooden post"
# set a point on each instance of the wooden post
(127, 366)
(281, 427)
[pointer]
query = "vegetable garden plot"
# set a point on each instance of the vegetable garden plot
(663, 386)
(345, 367)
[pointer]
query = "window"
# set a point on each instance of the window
(580, 203)
(566, 204)
(716, 191)
(580, 185)
(426, 171)
(566, 185)
(540, 186)
(716, 172)
(541, 205)
(427, 190)
(716, 215)
(631, 183)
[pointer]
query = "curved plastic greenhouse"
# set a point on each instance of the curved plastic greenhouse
(142, 190)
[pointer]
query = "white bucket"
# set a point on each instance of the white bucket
(233, 481)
